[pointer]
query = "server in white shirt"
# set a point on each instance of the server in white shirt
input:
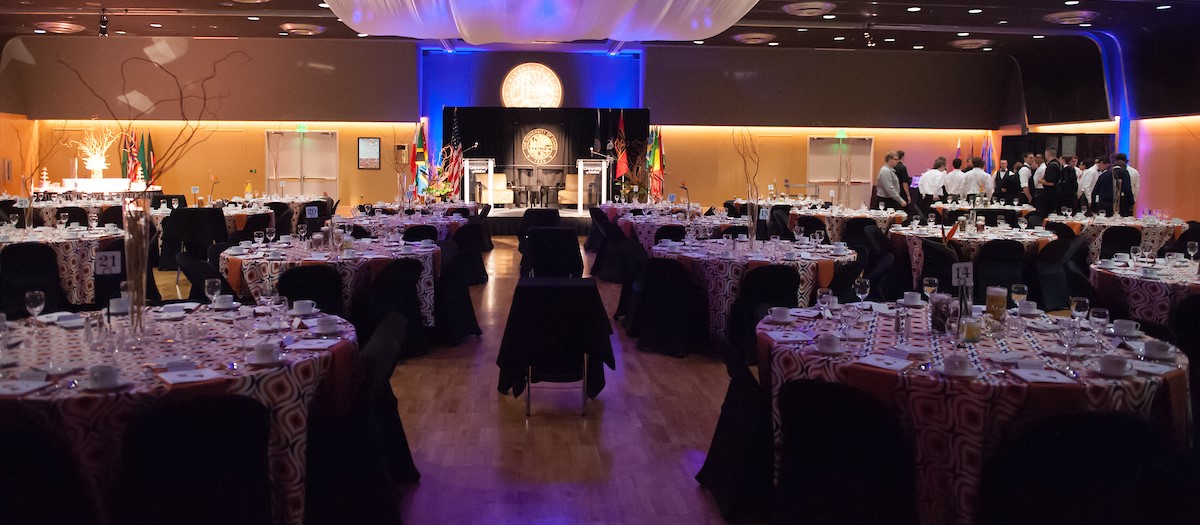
(1134, 176)
(977, 183)
(932, 184)
(1087, 181)
(954, 180)
(1025, 172)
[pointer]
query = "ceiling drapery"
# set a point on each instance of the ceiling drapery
(522, 21)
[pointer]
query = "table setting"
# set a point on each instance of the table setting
(235, 215)
(835, 218)
(438, 209)
(1150, 286)
(968, 241)
(616, 210)
(75, 247)
(382, 225)
(89, 374)
(644, 227)
(961, 384)
(93, 206)
(1157, 231)
(719, 265)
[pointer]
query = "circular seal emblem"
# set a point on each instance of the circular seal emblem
(539, 146)
(531, 85)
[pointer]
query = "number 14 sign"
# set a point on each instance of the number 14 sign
(963, 274)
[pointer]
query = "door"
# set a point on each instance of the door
(302, 163)
(841, 167)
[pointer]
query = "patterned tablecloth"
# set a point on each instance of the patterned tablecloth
(967, 244)
(644, 227)
(1155, 234)
(944, 208)
(956, 423)
(257, 274)
(235, 217)
(49, 209)
(835, 220)
(719, 271)
(94, 423)
(76, 257)
(385, 225)
(438, 209)
(1148, 298)
(616, 210)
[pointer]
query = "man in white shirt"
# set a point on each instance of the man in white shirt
(1026, 173)
(1134, 176)
(932, 183)
(954, 180)
(977, 182)
(1087, 181)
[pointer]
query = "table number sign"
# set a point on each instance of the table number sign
(670, 197)
(108, 263)
(963, 274)
(763, 213)
(22, 202)
(310, 212)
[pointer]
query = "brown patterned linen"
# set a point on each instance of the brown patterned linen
(235, 218)
(76, 257)
(616, 210)
(385, 225)
(1155, 234)
(956, 423)
(943, 208)
(719, 271)
(94, 423)
(1148, 298)
(835, 219)
(254, 274)
(437, 209)
(49, 210)
(644, 227)
(967, 244)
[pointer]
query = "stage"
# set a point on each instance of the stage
(504, 221)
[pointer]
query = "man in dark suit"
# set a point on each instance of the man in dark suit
(905, 185)
(1113, 190)
(1006, 183)
(1047, 199)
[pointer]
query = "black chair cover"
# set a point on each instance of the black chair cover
(1117, 239)
(39, 484)
(481, 221)
(761, 288)
(1062, 230)
(1000, 263)
(672, 312)
(609, 264)
(812, 224)
(735, 231)
(192, 230)
(197, 271)
(112, 215)
(319, 283)
(74, 214)
(394, 290)
(535, 218)
(420, 232)
(675, 232)
(454, 312)
(25, 267)
(855, 230)
(226, 480)
(283, 217)
(1051, 290)
(470, 241)
(552, 252)
(633, 259)
(845, 274)
(939, 262)
(595, 238)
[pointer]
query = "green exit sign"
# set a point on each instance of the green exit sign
(302, 128)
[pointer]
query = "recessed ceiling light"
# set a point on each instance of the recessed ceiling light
(918, 47)
(914, 9)
(252, 18)
(1085, 25)
(1162, 7)
(323, 5)
(802, 29)
(155, 25)
(1071, 2)
(838, 38)
(59, 28)
(974, 11)
(40, 31)
(302, 29)
(829, 17)
(1002, 22)
(772, 43)
(964, 34)
(1038, 37)
(808, 8)
(120, 32)
(698, 42)
(363, 35)
(987, 49)
(283, 33)
(889, 40)
(226, 4)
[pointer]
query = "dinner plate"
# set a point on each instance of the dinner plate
(252, 360)
(266, 328)
(73, 323)
(839, 351)
(51, 317)
(1034, 313)
(235, 305)
(294, 313)
(1171, 353)
(1134, 334)
(917, 304)
(168, 316)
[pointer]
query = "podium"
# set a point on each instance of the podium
(598, 168)
(481, 170)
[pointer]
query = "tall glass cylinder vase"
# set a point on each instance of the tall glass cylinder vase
(136, 213)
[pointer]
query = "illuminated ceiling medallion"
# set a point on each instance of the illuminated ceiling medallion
(539, 146)
(302, 29)
(62, 28)
(972, 43)
(531, 85)
(754, 38)
(808, 8)
(1071, 18)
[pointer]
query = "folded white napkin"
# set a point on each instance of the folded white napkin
(907, 351)
(1147, 367)
(885, 362)
(313, 344)
(189, 376)
(782, 336)
(1042, 376)
(808, 313)
(1005, 357)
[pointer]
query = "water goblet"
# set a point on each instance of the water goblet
(93, 220)
(174, 202)
(212, 288)
(1019, 293)
(1080, 307)
(819, 235)
(1022, 222)
(35, 301)
(258, 237)
(929, 285)
(862, 288)
(931, 219)
(62, 220)
(1135, 253)
(824, 299)
(302, 230)
(1193, 247)
(270, 234)
(1098, 317)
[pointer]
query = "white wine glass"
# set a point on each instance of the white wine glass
(212, 288)
(862, 288)
(35, 301)
(259, 236)
(1019, 293)
(1193, 247)
(930, 286)
(302, 230)
(1080, 307)
(270, 233)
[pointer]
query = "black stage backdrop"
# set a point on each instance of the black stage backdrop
(501, 132)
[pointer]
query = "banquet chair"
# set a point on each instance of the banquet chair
(611, 263)
(283, 217)
(855, 230)
(358, 232)
(739, 468)
(780, 219)
(214, 253)
(25, 267)
(811, 224)
(464, 212)
(594, 237)
(1062, 230)
(674, 232)
(1117, 239)
(164, 200)
(761, 288)
(1086, 468)
(420, 232)
(636, 212)
(9, 207)
(844, 275)
(633, 259)
(254, 223)
(192, 230)
(992, 217)
(939, 260)
(1001, 262)
(319, 283)
(197, 271)
(453, 311)
(1035, 219)
(1180, 244)
(672, 313)
(734, 231)
(346, 481)
(469, 239)
(552, 252)
(880, 275)
(1187, 339)
(39, 484)
(481, 220)
(534, 218)
(111, 215)
(221, 478)
(1050, 289)
(394, 289)
(733, 209)
(839, 443)
(74, 214)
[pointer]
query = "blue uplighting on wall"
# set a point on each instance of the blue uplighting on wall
(1113, 59)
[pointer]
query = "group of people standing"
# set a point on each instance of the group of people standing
(1046, 181)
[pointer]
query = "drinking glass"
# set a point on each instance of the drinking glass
(849, 320)
(1083, 210)
(819, 235)
(1019, 293)
(1023, 222)
(1080, 307)
(932, 219)
(1135, 253)
(954, 329)
(35, 301)
(174, 203)
(62, 220)
(302, 230)
(1193, 247)
(930, 285)
(824, 298)
(862, 288)
(881, 205)
(12, 220)
(93, 220)
(1103, 214)
(259, 236)
(270, 234)
(1099, 319)
(212, 288)
(798, 232)
(1066, 212)
(1001, 222)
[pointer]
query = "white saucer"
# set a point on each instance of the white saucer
(294, 313)
(317, 330)
(51, 317)
(168, 316)
(841, 350)
(233, 306)
(267, 328)
(86, 384)
(1134, 334)
(254, 361)
(1034, 313)
(71, 323)
(1129, 372)
(1058, 351)
(917, 304)
(1171, 353)
(941, 370)
(274, 258)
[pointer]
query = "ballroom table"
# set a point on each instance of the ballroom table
(439, 209)
(235, 217)
(968, 243)
(1148, 298)
(944, 208)
(256, 273)
(645, 226)
(1155, 233)
(293, 202)
(93, 423)
(76, 249)
(385, 225)
(719, 269)
(957, 422)
(48, 210)
(616, 210)
(835, 219)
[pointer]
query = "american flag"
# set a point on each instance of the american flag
(453, 168)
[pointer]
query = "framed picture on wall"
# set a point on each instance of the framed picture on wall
(368, 153)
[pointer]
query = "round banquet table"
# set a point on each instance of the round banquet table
(76, 255)
(255, 273)
(93, 424)
(1155, 233)
(293, 202)
(235, 217)
(438, 209)
(835, 219)
(943, 208)
(616, 210)
(645, 226)
(386, 225)
(1148, 298)
(49, 209)
(719, 270)
(956, 423)
(967, 244)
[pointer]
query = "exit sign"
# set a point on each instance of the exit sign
(302, 128)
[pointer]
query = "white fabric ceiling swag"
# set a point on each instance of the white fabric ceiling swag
(523, 21)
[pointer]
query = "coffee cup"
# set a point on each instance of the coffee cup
(237, 250)
(779, 314)
(833, 301)
(266, 352)
(839, 246)
(1027, 307)
(285, 238)
(275, 254)
(912, 297)
(74, 225)
(957, 365)
(1113, 365)
(1120, 256)
(426, 242)
(246, 244)
(327, 324)
(828, 344)
(1126, 327)
(977, 310)
(110, 226)
(1107, 263)
(119, 305)
(406, 249)
(104, 376)
(743, 237)
(1156, 349)
(223, 301)
(304, 306)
